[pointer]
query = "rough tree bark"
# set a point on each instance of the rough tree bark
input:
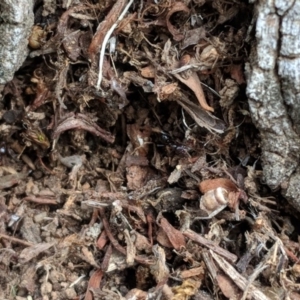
(273, 89)
(16, 21)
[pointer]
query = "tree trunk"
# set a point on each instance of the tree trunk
(16, 21)
(273, 89)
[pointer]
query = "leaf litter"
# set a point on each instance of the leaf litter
(130, 168)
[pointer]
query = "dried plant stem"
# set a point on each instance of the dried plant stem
(106, 38)
(15, 240)
(211, 245)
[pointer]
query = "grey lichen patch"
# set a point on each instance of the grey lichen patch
(273, 79)
(292, 191)
(16, 21)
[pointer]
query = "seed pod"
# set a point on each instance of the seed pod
(214, 200)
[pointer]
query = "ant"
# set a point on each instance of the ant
(177, 147)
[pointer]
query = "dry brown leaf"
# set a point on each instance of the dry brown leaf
(139, 138)
(130, 248)
(163, 239)
(134, 160)
(29, 253)
(175, 236)
(194, 84)
(159, 268)
(209, 56)
(104, 26)
(193, 36)
(28, 279)
(83, 122)
(201, 117)
(10, 180)
(294, 296)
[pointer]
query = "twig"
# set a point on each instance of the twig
(237, 278)
(106, 38)
(149, 218)
(103, 27)
(210, 264)
(211, 245)
(40, 200)
(269, 259)
(16, 240)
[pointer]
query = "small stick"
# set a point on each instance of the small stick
(211, 245)
(15, 240)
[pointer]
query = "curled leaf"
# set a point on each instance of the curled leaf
(212, 184)
(175, 236)
(201, 117)
(194, 84)
(177, 7)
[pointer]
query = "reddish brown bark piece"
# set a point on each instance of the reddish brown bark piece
(104, 26)
(94, 282)
(175, 236)
(102, 240)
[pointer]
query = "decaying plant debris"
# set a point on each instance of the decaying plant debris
(147, 185)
